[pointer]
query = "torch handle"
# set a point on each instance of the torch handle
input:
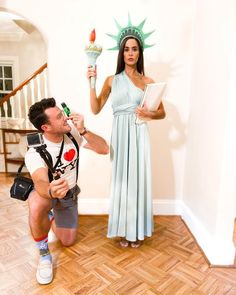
(93, 80)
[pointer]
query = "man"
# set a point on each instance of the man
(60, 194)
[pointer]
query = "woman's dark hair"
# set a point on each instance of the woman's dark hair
(120, 60)
(36, 113)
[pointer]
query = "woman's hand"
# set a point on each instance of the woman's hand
(143, 113)
(92, 72)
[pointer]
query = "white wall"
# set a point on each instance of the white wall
(31, 52)
(209, 174)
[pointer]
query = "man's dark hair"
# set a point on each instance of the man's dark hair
(120, 59)
(36, 113)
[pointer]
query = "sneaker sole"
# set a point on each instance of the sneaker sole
(47, 279)
(42, 281)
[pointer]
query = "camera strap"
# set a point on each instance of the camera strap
(20, 168)
(50, 174)
(59, 156)
(48, 158)
(77, 148)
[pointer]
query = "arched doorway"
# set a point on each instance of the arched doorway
(22, 52)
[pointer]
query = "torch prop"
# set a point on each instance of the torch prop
(93, 51)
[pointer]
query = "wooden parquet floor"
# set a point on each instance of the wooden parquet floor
(169, 263)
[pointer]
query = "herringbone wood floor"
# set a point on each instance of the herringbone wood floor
(169, 263)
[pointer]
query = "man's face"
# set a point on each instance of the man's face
(57, 121)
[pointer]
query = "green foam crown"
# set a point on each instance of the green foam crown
(130, 31)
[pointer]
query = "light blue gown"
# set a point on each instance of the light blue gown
(130, 214)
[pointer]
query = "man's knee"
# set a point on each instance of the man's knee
(36, 202)
(38, 206)
(67, 238)
(68, 242)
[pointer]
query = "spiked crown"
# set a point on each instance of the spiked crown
(130, 31)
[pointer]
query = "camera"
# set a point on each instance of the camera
(35, 140)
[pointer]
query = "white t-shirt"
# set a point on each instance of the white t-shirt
(67, 164)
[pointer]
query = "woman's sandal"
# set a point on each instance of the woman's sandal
(135, 244)
(124, 243)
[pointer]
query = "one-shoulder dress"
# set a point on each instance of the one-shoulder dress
(130, 212)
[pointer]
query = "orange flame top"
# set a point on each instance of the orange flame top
(92, 36)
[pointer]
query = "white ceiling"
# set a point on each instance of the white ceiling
(13, 27)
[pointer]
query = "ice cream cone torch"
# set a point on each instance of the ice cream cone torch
(93, 51)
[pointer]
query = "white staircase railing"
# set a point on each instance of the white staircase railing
(16, 104)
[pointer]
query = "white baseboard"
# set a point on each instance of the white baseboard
(98, 206)
(167, 207)
(93, 206)
(218, 252)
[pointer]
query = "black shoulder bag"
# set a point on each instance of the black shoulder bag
(22, 186)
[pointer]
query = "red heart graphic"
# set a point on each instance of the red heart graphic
(68, 156)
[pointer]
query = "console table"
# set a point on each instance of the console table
(6, 129)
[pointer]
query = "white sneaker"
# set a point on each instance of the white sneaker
(44, 274)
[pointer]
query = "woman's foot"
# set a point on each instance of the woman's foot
(135, 244)
(124, 243)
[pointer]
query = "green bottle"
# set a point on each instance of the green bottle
(65, 109)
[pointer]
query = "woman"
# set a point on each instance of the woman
(130, 215)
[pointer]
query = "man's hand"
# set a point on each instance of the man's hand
(94, 142)
(78, 121)
(59, 188)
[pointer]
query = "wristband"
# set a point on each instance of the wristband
(84, 131)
